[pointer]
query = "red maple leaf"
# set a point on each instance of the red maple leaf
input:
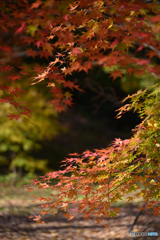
(68, 102)
(26, 112)
(6, 48)
(38, 43)
(85, 67)
(4, 28)
(31, 52)
(113, 44)
(52, 174)
(13, 116)
(36, 4)
(59, 108)
(28, 40)
(19, 90)
(130, 70)
(69, 84)
(79, 89)
(19, 30)
(76, 51)
(139, 72)
(16, 104)
(142, 61)
(14, 77)
(56, 91)
(156, 18)
(3, 100)
(44, 54)
(38, 69)
(139, 48)
(5, 16)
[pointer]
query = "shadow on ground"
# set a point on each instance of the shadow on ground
(21, 227)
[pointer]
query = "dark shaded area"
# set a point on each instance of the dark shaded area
(91, 122)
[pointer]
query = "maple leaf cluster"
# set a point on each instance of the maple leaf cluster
(102, 177)
(75, 36)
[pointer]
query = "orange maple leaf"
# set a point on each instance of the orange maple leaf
(116, 74)
(151, 54)
(48, 47)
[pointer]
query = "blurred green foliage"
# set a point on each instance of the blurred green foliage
(131, 84)
(20, 138)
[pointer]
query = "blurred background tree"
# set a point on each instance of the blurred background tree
(21, 140)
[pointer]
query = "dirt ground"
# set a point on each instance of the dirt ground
(21, 227)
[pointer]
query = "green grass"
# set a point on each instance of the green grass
(14, 200)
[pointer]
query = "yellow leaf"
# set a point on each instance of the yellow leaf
(132, 13)
(51, 85)
(152, 182)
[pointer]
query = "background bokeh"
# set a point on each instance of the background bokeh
(35, 145)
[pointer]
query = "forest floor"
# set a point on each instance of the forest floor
(15, 224)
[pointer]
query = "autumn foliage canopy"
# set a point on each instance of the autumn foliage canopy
(75, 36)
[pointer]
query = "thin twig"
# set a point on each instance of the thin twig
(136, 219)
